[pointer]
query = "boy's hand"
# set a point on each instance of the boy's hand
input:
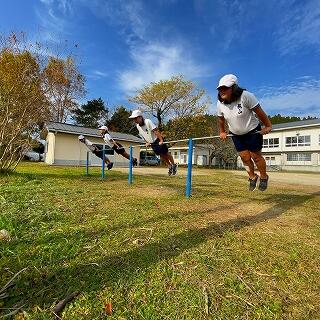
(160, 142)
(148, 144)
(266, 130)
(223, 135)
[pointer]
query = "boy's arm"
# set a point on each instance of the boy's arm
(158, 135)
(222, 121)
(114, 143)
(264, 119)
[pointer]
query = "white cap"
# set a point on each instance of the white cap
(135, 114)
(227, 81)
(103, 128)
(81, 137)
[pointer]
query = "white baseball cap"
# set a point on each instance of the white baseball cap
(135, 114)
(103, 128)
(81, 137)
(227, 81)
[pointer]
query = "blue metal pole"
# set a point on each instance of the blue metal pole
(87, 164)
(189, 174)
(130, 166)
(103, 164)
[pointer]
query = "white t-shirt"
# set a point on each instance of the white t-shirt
(89, 144)
(107, 139)
(146, 131)
(239, 114)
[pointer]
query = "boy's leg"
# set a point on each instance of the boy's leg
(99, 154)
(260, 163)
(126, 155)
(165, 158)
(170, 158)
(106, 160)
(248, 163)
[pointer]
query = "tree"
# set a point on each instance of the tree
(191, 126)
(175, 97)
(92, 114)
(278, 118)
(63, 86)
(202, 126)
(120, 121)
(23, 104)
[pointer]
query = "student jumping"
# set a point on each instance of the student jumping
(116, 146)
(96, 149)
(151, 134)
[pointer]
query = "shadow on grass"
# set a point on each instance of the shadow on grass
(107, 271)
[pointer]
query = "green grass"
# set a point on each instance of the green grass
(155, 254)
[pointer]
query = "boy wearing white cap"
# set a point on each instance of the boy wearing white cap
(242, 112)
(116, 146)
(151, 134)
(95, 150)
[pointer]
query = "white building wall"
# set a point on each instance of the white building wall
(200, 155)
(283, 155)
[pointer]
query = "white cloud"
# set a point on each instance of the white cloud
(155, 62)
(97, 74)
(129, 16)
(100, 73)
(300, 27)
(301, 98)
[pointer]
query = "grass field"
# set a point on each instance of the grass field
(223, 254)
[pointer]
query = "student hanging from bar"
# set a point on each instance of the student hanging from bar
(96, 149)
(242, 112)
(151, 134)
(116, 146)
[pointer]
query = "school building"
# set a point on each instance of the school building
(293, 146)
(64, 148)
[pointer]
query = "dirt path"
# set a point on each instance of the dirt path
(309, 179)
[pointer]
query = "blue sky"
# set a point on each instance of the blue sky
(272, 46)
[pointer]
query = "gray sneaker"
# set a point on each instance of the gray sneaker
(253, 183)
(263, 185)
(174, 169)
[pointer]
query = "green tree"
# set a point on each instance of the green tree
(278, 118)
(175, 97)
(120, 121)
(92, 114)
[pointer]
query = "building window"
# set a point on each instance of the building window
(184, 158)
(271, 143)
(299, 157)
(298, 141)
(108, 150)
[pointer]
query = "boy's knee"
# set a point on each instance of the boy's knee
(245, 158)
(256, 157)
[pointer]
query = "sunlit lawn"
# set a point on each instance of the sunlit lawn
(223, 254)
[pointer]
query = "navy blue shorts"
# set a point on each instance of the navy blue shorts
(99, 154)
(159, 149)
(250, 141)
(120, 149)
